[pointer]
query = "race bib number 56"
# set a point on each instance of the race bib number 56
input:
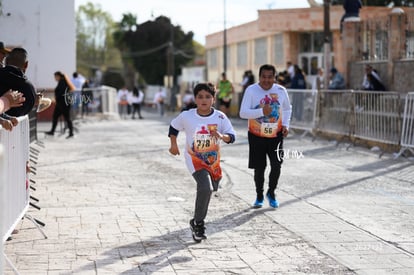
(268, 129)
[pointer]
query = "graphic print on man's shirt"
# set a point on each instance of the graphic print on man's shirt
(267, 126)
(205, 150)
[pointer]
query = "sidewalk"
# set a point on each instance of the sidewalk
(114, 201)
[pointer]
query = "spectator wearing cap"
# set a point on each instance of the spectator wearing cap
(337, 81)
(3, 53)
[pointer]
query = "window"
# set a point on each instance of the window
(242, 54)
(409, 52)
(312, 42)
(212, 58)
(305, 43)
(278, 54)
(260, 51)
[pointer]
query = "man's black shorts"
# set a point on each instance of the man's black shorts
(260, 147)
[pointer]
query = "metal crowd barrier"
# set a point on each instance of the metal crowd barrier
(103, 100)
(16, 186)
(33, 125)
(377, 116)
(2, 199)
(335, 112)
(383, 117)
(305, 109)
(407, 133)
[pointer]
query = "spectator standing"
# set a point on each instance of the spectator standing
(337, 81)
(290, 69)
(248, 79)
(319, 79)
(78, 81)
(64, 100)
(266, 106)
(159, 100)
(204, 129)
(188, 101)
(86, 97)
(13, 77)
(372, 81)
(298, 83)
(122, 97)
(225, 93)
(137, 97)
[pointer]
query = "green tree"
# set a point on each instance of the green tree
(94, 44)
(150, 46)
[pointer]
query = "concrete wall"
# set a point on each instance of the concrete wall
(46, 29)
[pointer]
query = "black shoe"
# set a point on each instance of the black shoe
(50, 133)
(70, 136)
(197, 230)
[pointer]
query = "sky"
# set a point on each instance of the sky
(202, 17)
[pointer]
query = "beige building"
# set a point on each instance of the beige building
(381, 37)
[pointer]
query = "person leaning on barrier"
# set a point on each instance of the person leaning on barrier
(372, 81)
(337, 81)
(9, 100)
(13, 77)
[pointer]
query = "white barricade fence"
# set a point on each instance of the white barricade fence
(334, 112)
(407, 133)
(109, 102)
(304, 109)
(16, 183)
(377, 116)
(101, 99)
(2, 199)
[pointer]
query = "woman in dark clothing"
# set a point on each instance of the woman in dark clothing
(63, 102)
(298, 83)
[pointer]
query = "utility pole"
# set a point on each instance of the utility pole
(327, 42)
(224, 41)
(171, 68)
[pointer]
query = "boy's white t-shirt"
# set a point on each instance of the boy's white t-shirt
(202, 150)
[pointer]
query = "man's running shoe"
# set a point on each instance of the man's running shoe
(258, 203)
(197, 230)
(272, 201)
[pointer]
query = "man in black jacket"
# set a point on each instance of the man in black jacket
(13, 77)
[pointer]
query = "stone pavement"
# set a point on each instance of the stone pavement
(114, 201)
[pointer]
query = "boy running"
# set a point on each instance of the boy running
(204, 128)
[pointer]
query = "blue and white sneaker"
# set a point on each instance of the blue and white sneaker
(258, 203)
(272, 201)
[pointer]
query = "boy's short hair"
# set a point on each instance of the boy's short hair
(208, 87)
